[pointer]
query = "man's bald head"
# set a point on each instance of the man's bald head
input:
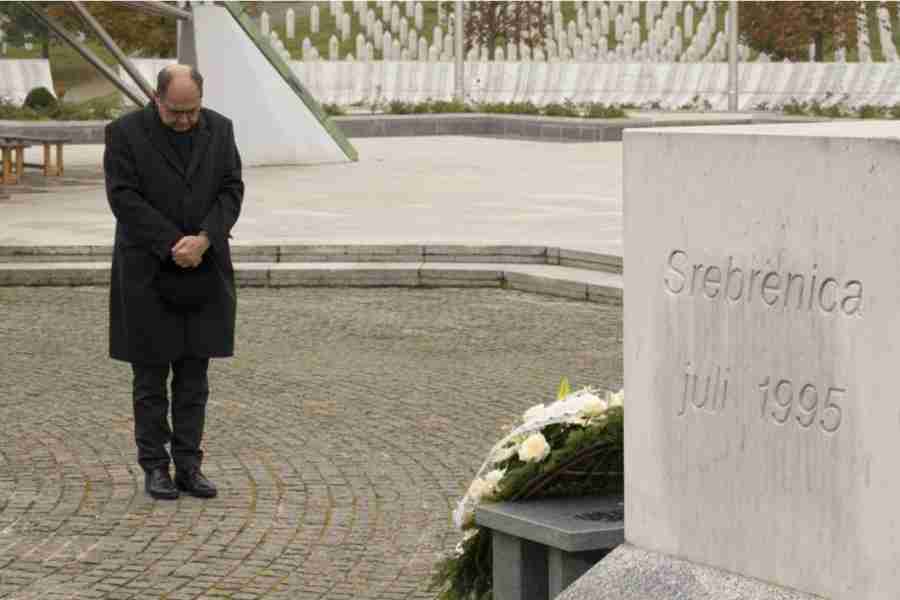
(179, 93)
(179, 75)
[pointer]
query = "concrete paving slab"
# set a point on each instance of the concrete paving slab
(434, 190)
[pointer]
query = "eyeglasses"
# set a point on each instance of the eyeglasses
(189, 113)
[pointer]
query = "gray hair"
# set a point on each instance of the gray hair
(166, 76)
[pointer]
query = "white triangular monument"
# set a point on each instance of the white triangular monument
(276, 120)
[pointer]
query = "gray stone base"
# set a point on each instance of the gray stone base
(629, 573)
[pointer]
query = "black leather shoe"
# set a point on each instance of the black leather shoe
(195, 483)
(158, 484)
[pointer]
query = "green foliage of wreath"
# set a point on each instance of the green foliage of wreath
(586, 458)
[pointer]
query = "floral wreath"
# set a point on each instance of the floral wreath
(571, 447)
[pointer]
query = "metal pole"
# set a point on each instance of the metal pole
(459, 90)
(84, 52)
(159, 9)
(733, 82)
(107, 41)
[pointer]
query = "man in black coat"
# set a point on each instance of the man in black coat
(173, 181)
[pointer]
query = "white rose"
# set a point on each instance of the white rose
(593, 406)
(494, 477)
(478, 489)
(576, 420)
(503, 453)
(534, 449)
(463, 516)
(617, 399)
(538, 411)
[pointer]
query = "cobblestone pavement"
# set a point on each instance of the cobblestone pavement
(340, 436)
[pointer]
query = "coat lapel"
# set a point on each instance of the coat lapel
(158, 137)
(200, 145)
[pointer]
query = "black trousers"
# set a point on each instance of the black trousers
(190, 391)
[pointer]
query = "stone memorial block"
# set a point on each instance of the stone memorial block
(571, 34)
(384, 44)
(413, 44)
(290, 23)
(370, 51)
(620, 28)
(345, 27)
(395, 19)
(306, 49)
(423, 49)
(420, 16)
(437, 35)
(404, 30)
(604, 19)
(591, 10)
(333, 48)
(409, 8)
(396, 50)
(314, 18)
(360, 44)
(440, 14)
(689, 20)
(636, 32)
(448, 44)
(511, 51)
(378, 34)
(264, 26)
(369, 23)
(761, 342)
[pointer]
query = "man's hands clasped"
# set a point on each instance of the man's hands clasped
(188, 252)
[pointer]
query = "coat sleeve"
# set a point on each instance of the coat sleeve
(227, 207)
(143, 223)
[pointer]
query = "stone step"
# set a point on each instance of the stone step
(554, 280)
(307, 253)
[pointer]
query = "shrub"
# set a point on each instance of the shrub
(561, 110)
(333, 110)
(398, 107)
(596, 110)
(40, 98)
(870, 111)
(795, 108)
(449, 106)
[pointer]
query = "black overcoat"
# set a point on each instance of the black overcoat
(156, 201)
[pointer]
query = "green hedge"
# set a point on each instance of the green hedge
(98, 109)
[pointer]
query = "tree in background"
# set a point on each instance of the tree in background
(785, 29)
(135, 32)
(494, 24)
(20, 26)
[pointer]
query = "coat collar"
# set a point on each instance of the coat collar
(157, 133)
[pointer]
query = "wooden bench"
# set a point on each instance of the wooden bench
(13, 156)
(50, 169)
(540, 547)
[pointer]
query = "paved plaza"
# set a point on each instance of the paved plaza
(402, 190)
(341, 436)
(349, 422)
